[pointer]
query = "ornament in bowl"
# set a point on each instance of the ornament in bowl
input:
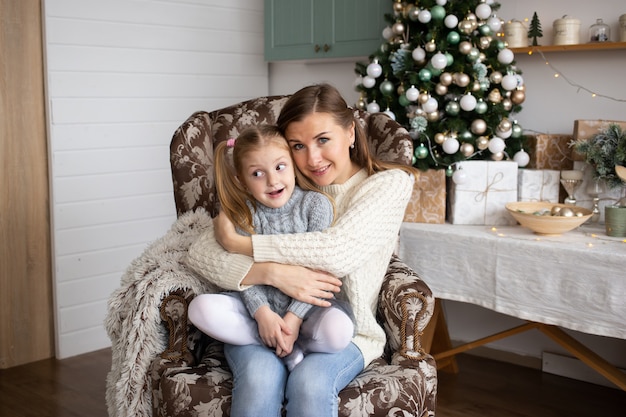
(545, 218)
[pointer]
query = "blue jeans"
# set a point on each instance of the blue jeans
(262, 383)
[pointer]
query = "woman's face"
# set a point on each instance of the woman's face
(321, 148)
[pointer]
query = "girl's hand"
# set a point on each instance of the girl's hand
(227, 236)
(293, 322)
(272, 329)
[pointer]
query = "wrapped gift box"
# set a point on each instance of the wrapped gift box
(585, 129)
(538, 185)
(550, 152)
(428, 201)
(584, 199)
(482, 197)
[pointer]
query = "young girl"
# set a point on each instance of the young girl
(258, 192)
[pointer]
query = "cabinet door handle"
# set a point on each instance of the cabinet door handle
(317, 48)
(326, 47)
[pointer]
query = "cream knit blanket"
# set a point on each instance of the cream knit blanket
(133, 321)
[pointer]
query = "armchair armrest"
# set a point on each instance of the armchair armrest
(406, 306)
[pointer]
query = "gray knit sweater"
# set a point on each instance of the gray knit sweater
(306, 211)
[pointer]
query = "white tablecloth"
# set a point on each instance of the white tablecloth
(576, 280)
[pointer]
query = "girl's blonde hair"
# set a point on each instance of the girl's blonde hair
(229, 166)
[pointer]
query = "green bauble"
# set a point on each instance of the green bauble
(403, 101)
(453, 108)
(387, 87)
(481, 107)
(421, 151)
(484, 30)
(517, 131)
(453, 38)
(449, 172)
(437, 12)
(425, 75)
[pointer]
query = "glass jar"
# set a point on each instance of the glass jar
(599, 32)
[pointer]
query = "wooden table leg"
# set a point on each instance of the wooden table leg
(436, 338)
(586, 355)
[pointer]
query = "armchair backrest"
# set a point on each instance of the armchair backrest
(191, 149)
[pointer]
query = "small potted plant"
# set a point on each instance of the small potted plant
(606, 153)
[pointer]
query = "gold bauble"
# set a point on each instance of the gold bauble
(441, 89)
(505, 124)
(445, 78)
(432, 117)
(423, 97)
(518, 96)
(497, 156)
(398, 7)
(484, 42)
(430, 46)
(461, 79)
(465, 47)
(361, 105)
(476, 86)
(439, 138)
(398, 28)
(400, 89)
(482, 142)
(495, 96)
(496, 77)
(507, 104)
(479, 126)
(467, 149)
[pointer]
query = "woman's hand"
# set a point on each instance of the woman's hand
(297, 282)
(227, 236)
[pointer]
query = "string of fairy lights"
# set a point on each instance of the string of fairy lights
(559, 74)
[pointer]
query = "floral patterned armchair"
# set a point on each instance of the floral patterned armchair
(163, 366)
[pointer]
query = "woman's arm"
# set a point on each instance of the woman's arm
(237, 272)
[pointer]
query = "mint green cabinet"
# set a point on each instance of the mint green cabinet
(322, 29)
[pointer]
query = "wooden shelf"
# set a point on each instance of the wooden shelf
(599, 46)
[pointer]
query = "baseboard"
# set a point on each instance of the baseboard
(551, 363)
(570, 367)
(502, 356)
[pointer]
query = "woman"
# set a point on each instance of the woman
(329, 148)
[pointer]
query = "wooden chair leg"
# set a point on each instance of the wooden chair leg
(436, 338)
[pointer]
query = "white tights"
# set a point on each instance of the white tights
(226, 318)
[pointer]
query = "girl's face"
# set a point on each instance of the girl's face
(269, 175)
(321, 149)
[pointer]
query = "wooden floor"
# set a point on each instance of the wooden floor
(75, 387)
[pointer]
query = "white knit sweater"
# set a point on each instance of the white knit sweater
(358, 247)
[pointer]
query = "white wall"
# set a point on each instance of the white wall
(551, 106)
(121, 76)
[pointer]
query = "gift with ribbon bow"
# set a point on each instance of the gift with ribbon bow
(481, 198)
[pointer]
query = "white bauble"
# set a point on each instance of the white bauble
(522, 158)
(424, 16)
(468, 102)
(374, 69)
(373, 107)
(509, 82)
(412, 93)
(506, 56)
(451, 21)
(439, 61)
(459, 176)
(430, 105)
(418, 54)
(483, 11)
(368, 82)
(496, 145)
(451, 146)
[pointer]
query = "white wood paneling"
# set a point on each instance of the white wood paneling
(121, 76)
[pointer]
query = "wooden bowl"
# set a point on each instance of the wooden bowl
(529, 215)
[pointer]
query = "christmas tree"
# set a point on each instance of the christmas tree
(534, 31)
(445, 74)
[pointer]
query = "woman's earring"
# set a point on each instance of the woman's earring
(352, 145)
